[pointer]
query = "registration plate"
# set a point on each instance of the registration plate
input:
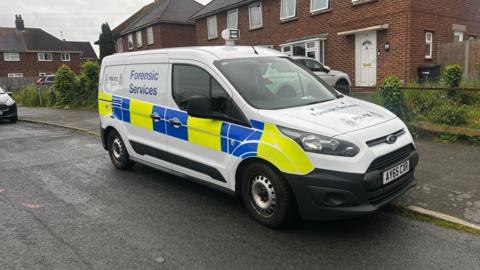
(396, 172)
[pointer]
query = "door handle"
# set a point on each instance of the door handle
(156, 117)
(175, 122)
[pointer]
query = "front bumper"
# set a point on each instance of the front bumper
(328, 195)
(7, 112)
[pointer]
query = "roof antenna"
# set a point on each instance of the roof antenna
(254, 50)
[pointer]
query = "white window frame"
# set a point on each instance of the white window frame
(259, 6)
(210, 32)
(42, 58)
(65, 57)
(233, 12)
(429, 42)
(120, 45)
(288, 16)
(130, 42)
(150, 36)
(319, 48)
(312, 10)
(44, 74)
(11, 57)
(15, 75)
(138, 37)
(458, 34)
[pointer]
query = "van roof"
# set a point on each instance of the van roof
(211, 53)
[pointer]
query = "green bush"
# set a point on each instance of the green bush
(420, 102)
(452, 78)
(87, 93)
(34, 96)
(448, 113)
(65, 86)
(393, 97)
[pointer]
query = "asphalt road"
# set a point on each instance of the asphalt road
(63, 206)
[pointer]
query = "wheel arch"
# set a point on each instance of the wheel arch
(243, 164)
(104, 135)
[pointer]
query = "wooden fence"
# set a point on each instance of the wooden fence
(13, 84)
(466, 54)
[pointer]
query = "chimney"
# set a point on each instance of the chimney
(19, 23)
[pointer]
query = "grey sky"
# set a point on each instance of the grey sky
(79, 20)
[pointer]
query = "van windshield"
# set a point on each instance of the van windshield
(275, 82)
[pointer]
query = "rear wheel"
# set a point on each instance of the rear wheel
(118, 152)
(268, 196)
(343, 87)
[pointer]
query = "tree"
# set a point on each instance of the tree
(107, 46)
(65, 85)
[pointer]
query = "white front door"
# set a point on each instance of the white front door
(366, 58)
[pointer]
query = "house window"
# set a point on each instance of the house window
(232, 19)
(15, 75)
(318, 5)
(45, 57)
(288, 9)
(150, 35)
(139, 39)
(212, 27)
(255, 15)
(44, 74)
(130, 42)
(119, 45)
(311, 48)
(11, 57)
(458, 36)
(65, 57)
(428, 45)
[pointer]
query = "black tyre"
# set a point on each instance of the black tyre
(343, 87)
(118, 152)
(267, 196)
(14, 119)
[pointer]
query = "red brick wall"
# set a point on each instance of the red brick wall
(438, 17)
(164, 36)
(31, 67)
(407, 19)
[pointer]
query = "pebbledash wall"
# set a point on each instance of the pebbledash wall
(401, 24)
(165, 36)
(30, 66)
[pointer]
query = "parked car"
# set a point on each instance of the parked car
(46, 80)
(250, 121)
(335, 78)
(8, 107)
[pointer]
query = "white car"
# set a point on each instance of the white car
(250, 121)
(339, 80)
(8, 107)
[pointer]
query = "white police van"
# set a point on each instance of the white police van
(252, 122)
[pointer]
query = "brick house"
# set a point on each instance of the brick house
(32, 52)
(161, 24)
(368, 39)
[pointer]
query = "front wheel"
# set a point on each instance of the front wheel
(118, 152)
(267, 196)
(343, 87)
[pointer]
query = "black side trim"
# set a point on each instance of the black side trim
(178, 160)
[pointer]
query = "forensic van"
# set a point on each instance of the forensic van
(253, 122)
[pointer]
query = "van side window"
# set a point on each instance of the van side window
(189, 81)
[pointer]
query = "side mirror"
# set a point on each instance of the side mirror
(327, 69)
(9, 93)
(199, 106)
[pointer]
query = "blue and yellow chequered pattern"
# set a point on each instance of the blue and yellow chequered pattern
(262, 140)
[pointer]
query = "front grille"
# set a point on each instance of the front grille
(384, 138)
(391, 159)
(3, 107)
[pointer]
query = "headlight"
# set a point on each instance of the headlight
(10, 102)
(321, 144)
